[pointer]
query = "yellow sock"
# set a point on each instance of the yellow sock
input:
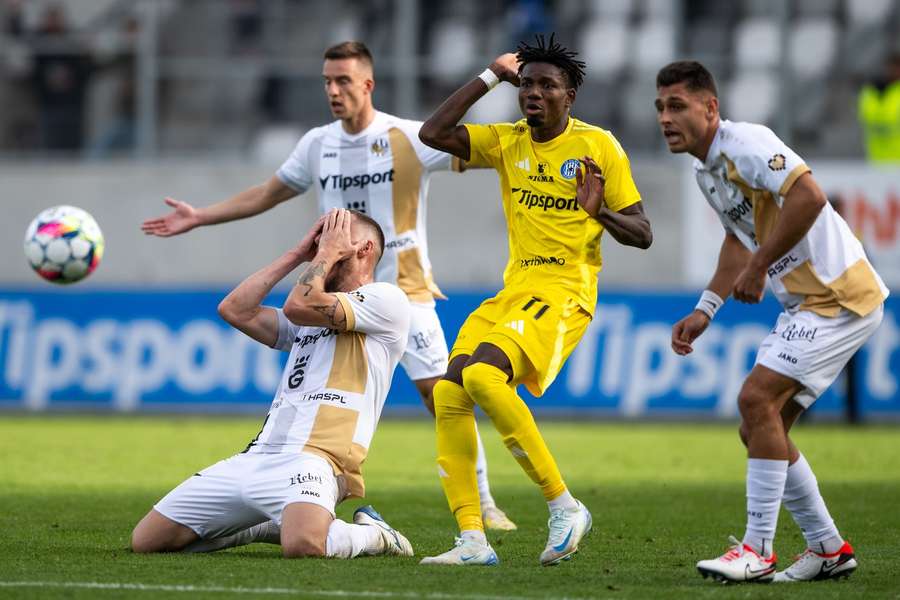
(457, 446)
(487, 386)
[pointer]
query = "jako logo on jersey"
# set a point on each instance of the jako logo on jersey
(531, 199)
(569, 168)
(379, 146)
(787, 357)
(345, 182)
(781, 265)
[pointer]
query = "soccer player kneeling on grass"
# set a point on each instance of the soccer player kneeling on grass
(555, 214)
(345, 334)
(777, 224)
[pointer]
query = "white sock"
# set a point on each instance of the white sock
(803, 499)
(473, 534)
(565, 500)
(481, 471)
(267, 532)
(765, 487)
(347, 540)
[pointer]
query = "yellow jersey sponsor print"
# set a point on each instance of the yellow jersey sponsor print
(553, 243)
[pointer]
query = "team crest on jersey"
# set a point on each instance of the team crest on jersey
(379, 147)
(569, 168)
(776, 163)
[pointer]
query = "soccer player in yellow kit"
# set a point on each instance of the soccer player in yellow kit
(563, 183)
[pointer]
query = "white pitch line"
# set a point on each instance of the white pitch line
(153, 587)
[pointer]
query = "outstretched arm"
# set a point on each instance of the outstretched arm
(243, 308)
(628, 226)
(442, 129)
(248, 203)
(802, 205)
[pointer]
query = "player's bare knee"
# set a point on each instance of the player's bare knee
(455, 368)
(756, 406)
(744, 434)
(303, 546)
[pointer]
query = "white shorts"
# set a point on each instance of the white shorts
(426, 353)
(246, 489)
(813, 349)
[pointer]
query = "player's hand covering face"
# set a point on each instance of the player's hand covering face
(590, 190)
(309, 245)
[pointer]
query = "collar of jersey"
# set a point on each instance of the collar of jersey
(557, 139)
(713, 154)
(376, 122)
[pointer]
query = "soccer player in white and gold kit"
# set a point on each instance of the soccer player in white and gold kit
(778, 225)
(345, 334)
(373, 162)
(555, 214)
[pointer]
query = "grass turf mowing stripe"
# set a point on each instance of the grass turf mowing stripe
(96, 585)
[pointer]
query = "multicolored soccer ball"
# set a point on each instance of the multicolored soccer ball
(64, 244)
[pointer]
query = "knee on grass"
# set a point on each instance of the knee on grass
(303, 545)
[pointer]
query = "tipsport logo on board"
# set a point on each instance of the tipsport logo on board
(170, 351)
(56, 353)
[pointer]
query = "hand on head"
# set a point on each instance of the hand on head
(506, 67)
(336, 233)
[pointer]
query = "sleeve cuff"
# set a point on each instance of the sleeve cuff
(348, 310)
(792, 178)
(290, 181)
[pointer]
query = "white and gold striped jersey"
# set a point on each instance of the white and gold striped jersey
(383, 171)
(745, 177)
(335, 383)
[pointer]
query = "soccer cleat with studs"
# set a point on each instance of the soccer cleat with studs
(813, 566)
(741, 564)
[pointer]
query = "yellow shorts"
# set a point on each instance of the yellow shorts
(546, 329)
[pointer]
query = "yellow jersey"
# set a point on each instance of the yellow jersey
(554, 245)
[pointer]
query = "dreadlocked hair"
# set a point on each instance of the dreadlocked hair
(554, 53)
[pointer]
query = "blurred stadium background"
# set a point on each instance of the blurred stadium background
(111, 105)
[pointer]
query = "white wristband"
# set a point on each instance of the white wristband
(709, 304)
(489, 78)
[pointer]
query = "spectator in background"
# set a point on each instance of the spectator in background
(879, 114)
(60, 77)
(118, 133)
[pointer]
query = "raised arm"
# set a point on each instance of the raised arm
(309, 303)
(243, 308)
(248, 203)
(628, 226)
(802, 205)
(442, 129)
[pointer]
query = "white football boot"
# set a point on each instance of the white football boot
(395, 543)
(467, 552)
(567, 527)
(740, 564)
(812, 566)
(496, 519)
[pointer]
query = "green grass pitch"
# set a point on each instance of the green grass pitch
(662, 496)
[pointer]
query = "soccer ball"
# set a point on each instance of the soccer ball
(64, 244)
